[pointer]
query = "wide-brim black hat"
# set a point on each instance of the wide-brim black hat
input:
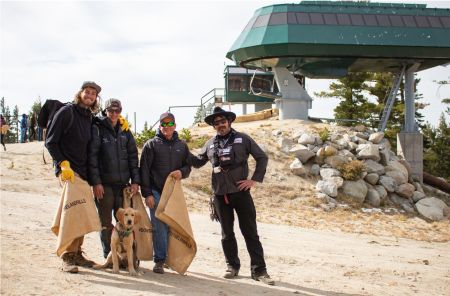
(219, 112)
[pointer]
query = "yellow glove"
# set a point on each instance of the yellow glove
(66, 172)
(124, 123)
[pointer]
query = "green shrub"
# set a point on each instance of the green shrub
(185, 135)
(144, 136)
(352, 170)
(324, 134)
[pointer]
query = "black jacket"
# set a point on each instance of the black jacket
(159, 158)
(242, 145)
(113, 155)
(70, 143)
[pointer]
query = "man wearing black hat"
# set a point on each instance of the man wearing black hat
(162, 156)
(67, 142)
(228, 153)
(113, 163)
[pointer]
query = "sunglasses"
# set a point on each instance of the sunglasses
(170, 123)
(220, 121)
(114, 111)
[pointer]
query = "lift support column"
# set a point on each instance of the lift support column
(410, 140)
(295, 101)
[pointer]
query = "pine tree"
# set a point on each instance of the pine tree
(353, 105)
(380, 88)
(437, 149)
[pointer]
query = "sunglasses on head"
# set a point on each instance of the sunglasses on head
(170, 123)
(220, 121)
(114, 111)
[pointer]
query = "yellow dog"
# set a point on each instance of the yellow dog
(122, 241)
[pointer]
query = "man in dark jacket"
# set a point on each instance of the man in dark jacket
(162, 156)
(67, 142)
(113, 161)
(228, 153)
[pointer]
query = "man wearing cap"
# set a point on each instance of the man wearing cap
(162, 156)
(113, 162)
(228, 153)
(69, 150)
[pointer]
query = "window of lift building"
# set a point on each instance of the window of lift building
(237, 83)
(349, 19)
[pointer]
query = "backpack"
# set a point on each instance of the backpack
(48, 111)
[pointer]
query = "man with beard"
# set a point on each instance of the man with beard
(228, 153)
(67, 142)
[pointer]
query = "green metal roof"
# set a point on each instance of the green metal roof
(329, 39)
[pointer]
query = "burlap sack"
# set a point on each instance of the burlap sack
(143, 234)
(172, 210)
(76, 214)
(5, 129)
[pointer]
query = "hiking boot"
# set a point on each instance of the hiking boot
(80, 260)
(231, 272)
(263, 277)
(68, 264)
(159, 267)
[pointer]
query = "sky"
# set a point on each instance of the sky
(149, 54)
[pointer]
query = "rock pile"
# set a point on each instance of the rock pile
(383, 178)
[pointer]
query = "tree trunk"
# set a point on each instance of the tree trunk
(436, 182)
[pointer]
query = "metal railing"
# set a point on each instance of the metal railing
(204, 100)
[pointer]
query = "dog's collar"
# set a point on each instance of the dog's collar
(123, 233)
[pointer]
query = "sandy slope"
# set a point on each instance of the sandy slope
(302, 261)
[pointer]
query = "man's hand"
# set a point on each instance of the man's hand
(245, 185)
(134, 189)
(150, 201)
(99, 191)
(176, 174)
(66, 172)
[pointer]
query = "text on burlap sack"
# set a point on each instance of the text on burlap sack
(74, 203)
(181, 239)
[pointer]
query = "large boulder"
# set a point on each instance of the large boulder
(372, 178)
(406, 204)
(381, 192)
(376, 137)
(329, 187)
(398, 176)
(373, 198)
(374, 167)
(327, 173)
(336, 161)
(368, 151)
(417, 195)
(385, 156)
(297, 168)
(388, 183)
(306, 139)
(395, 165)
(301, 152)
(405, 190)
(432, 208)
(357, 190)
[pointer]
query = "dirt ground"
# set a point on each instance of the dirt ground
(308, 251)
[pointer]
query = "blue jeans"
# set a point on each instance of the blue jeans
(160, 232)
(23, 135)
